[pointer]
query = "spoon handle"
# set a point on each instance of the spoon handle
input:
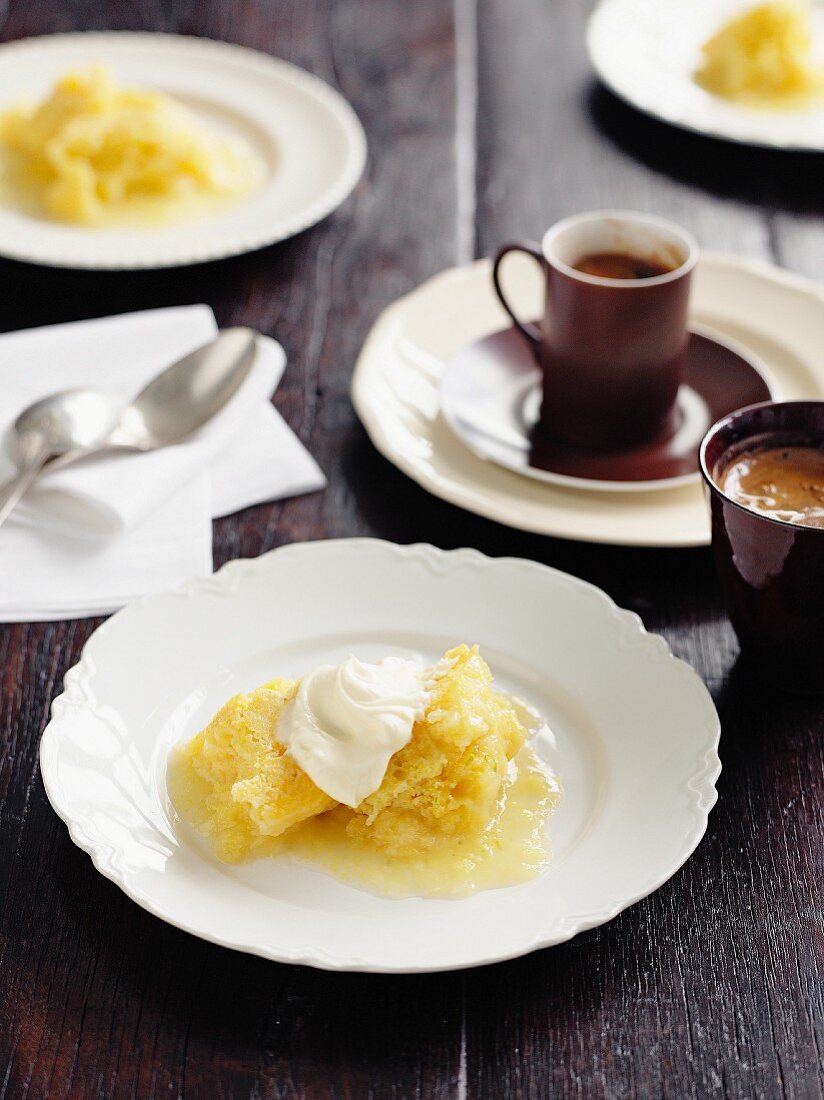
(13, 490)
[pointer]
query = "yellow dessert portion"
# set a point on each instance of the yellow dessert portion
(95, 153)
(244, 790)
(462, 805)
(763, 57)
(447, 781)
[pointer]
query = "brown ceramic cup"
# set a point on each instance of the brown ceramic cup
(771, 571)
(611, 351)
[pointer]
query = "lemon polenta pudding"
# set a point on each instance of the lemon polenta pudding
(396, 777)
(95, 153)
(763, 57)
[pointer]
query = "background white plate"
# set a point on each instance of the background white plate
(779, 317)
(646, 52)
(306, 134)
(635, 744)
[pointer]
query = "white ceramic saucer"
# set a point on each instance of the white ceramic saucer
(647, 50)
(305, 134)
(777, 317)
(634, 740)
(491, 398)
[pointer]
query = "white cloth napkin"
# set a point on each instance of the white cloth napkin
(95, 536)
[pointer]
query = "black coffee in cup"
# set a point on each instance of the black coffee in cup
(622, 265)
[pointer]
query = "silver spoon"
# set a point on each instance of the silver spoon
(57, 427)
(59, 430)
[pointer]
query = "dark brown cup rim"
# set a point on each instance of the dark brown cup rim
(729, 421)
(628, 217)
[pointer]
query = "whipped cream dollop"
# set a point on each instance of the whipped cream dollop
(347, 721)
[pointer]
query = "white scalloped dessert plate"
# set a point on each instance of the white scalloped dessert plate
(776, 316)
(646, 51)
(305, 134)
(635, 738)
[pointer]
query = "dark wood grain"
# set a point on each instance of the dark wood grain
(484, 125)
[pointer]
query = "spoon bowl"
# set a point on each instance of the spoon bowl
(63, 422)
(187, 394)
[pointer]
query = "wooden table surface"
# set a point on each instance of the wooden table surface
(484, 124)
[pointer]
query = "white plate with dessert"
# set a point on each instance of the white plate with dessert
(699, 65)
(775, 317)
(300, 758)
(123, 150)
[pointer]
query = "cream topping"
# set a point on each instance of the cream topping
(348, 720)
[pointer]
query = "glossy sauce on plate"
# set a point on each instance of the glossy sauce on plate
(512, 848)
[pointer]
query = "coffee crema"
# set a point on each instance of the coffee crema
(622, 265)
(782, 482)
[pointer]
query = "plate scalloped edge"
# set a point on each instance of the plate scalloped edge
(78, 694)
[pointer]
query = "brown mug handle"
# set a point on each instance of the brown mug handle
(529, 331)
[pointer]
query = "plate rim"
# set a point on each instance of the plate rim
(470, 498)
(194, 252)
(699, 788)
(604, 73)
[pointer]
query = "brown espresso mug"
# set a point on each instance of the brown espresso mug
(611, 349)
(771, 570)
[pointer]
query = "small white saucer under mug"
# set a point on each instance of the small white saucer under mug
(491, 390)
